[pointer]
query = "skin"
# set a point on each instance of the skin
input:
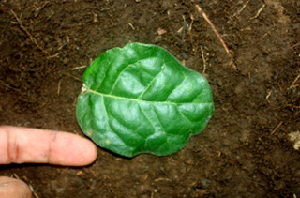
(20, 145)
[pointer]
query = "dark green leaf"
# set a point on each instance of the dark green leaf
(140, 99)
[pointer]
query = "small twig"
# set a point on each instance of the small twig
(74, 77)
(200, 10)
(95, 17)
(185, 28)
(191, 24)
(81, 67)
(294, 82)
(258, 12)
(280, 123)
(295, 45)
(33, 191)
(203, 60)
(59, 87)
(10, 87)
(28, 33)
(132, 27)
(214, 28)
(152, 194)
(53, 56)
(292, 106)
(269, 94)
(16, 176)
(35, 194)
(240, 10)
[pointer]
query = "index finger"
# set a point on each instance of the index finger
(21, 145)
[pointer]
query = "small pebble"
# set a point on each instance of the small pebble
(161, 31)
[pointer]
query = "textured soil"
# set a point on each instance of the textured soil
(246, 149)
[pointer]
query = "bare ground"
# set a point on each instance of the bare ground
(246, 150)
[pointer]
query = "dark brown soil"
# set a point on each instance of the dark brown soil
(245, 151)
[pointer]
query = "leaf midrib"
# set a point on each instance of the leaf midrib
(139, 100)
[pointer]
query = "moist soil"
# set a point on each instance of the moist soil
(246, 149)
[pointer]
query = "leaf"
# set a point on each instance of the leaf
(140, 99)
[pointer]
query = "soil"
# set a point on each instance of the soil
(246, 149)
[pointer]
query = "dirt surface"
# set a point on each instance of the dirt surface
(246, 149)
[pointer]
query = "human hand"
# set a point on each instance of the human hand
(20, 145)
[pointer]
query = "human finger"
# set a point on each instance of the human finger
(21, 145)
(13, 188)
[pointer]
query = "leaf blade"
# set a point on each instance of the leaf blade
(150, 102)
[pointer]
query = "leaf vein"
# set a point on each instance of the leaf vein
(146, 115)
(134, 99)
(128, 66)
(106, 114)
(124, 127)
(185, 77)
(103, 76)
(184, 116)
(154, 78)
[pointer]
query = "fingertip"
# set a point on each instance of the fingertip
(21, 145)
(11, 187)
(94, 152)
(73, 150)
(89, 151)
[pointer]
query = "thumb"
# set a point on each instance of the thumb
(13, 188)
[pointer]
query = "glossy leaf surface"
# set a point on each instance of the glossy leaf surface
(140, 99)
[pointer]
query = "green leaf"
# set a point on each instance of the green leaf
(140, 99)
